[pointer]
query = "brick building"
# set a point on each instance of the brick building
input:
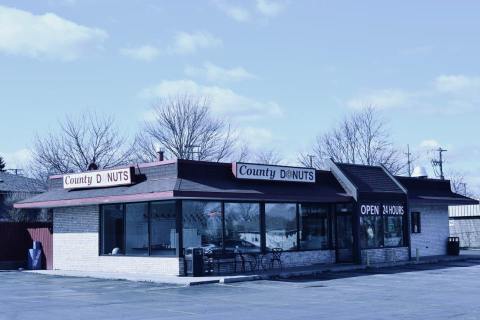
(142, 218)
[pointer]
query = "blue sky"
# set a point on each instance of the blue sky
(281, 71)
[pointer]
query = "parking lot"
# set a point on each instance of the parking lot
(442, 291)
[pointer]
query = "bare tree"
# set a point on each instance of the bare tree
(268, 157)
(360, 138)
(89, 138)
(459, 184)
(184, 127)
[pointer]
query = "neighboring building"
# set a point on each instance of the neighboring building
(13, 188)
(141, 218)
(465, 224)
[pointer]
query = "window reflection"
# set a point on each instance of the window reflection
(371, 231)
(202, 224)
(281, 225)
(314, 229)
(163, 233)
(393, 231)
(242, 227)
(136, 227)
(112, 229)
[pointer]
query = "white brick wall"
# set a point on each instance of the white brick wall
(468, 230)
(434, 231)
(76, 241)
(382, 255)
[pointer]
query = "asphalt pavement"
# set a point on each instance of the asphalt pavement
(447, 290)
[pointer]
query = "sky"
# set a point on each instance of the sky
(281, 71)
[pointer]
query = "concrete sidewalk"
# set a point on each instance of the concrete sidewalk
(283, 274)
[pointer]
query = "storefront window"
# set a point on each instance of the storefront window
(314, 226)
(202, 224)
(163, 236)
(136, 229)
(242, 227)
(281, 225)
(371, 231)
(112, 230)
(393, 231)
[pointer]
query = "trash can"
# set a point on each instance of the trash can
(453, 246)
(194, 261)
(35, 256)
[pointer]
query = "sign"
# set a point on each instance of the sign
(273, 173)
(98, 179)
(385, 209)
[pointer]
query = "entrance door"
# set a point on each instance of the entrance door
(344, 238)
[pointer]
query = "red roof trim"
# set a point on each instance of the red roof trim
(96, 200)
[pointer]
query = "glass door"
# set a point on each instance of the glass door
(344, 238)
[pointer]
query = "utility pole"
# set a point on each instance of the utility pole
(464, 185)
(311, 156)
(409, 162)
(439, 162)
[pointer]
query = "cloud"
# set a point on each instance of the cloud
(429, 144)
(213, 72)
(188, 43)
(256, 138)
(382, 99)
(17, 159)
(235, 12)
(445, 95)
(270, 8)
(456, 83)
(261, 8)
(45, 36)
(223, 101)
(143, 53)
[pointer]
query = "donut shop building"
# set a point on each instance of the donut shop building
(143, 218)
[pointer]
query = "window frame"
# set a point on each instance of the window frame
(260, 226)
(330, 225)
(412, 222)
(264, 231)
(179, 203)
(382, 216)
(124, 210)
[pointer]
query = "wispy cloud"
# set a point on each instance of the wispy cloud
(212, 72)
(270, 8)
(457, 84)
(188, 43)
(17, 159)
(446, 94)
(249, 10)
(143, 53)
(45, 36)
(223, 101)
(386, 98)
(234, 11)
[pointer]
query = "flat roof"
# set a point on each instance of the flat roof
(182, 179)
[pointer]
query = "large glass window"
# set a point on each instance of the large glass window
(371, 231)
(242, 227)
(314, 226)
(112, 229)
(163, 233)
(393, 231)
(281, 225)
(136, 229)
(202, 224)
